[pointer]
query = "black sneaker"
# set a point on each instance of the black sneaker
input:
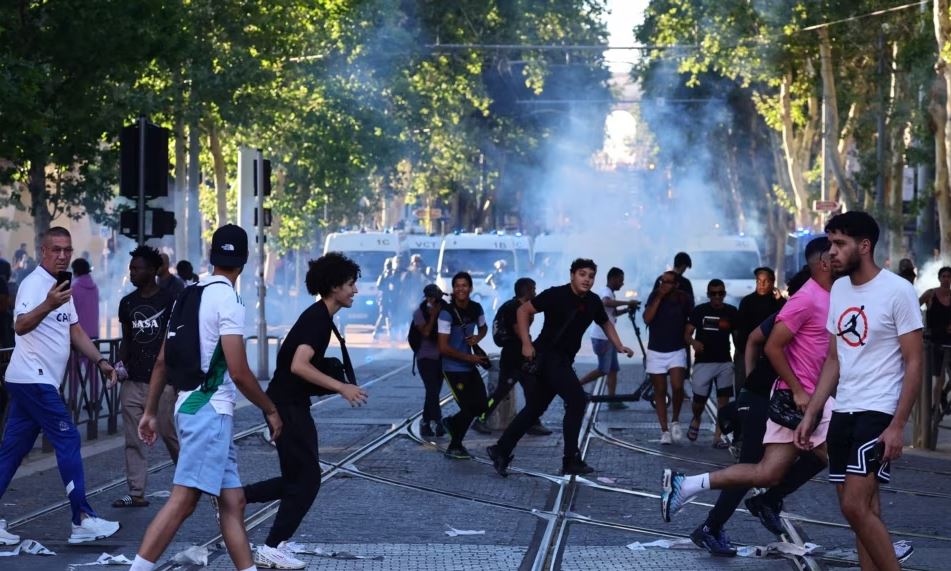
(446, 425)
(499, 461)
(481, 427)
(440, 431)
(768, 515)
(425, 429)
(716, 542)
(575, 466)
(457, 452)
(539, 429)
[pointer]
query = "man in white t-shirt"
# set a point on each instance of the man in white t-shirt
(207, 462)
(603, 348)
(46, 325)
(874, 367)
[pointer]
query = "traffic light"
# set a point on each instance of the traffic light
(156, 161)
(158, 223)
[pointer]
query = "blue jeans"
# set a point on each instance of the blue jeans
(35, 407)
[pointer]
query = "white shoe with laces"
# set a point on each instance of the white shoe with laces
(665, 437)
(7, 538)
(676, 432)
(91, 529)
(276, 558)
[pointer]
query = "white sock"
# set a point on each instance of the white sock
(693, 485)
(251, 568)
(141, 564)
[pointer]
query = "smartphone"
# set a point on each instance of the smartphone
(878, 453)
(65, 277)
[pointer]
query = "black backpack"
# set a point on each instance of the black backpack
(183, 342)
(503, 326)
(334, 368)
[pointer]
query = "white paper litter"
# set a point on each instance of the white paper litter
(776, 548)
(27, 547)
(159, 494)
(105, 559)
(196, 555)
(663, 544)
(453, 532)
(302, 549)
(605, 480)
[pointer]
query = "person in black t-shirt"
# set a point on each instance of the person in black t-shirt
(753, 309)
(682, 263)
(714, 323)
(296, 377)
(510, 361)
(668, 309)
(143, 315)
(569, 310)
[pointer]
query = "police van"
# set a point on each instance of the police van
(370, 250)
(477, 254)
(729, 258)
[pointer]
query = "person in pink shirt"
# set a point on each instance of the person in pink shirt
(86, 300)
(796, 348)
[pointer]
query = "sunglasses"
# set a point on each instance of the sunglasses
(716, 294)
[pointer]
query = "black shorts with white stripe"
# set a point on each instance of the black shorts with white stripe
(851, 442)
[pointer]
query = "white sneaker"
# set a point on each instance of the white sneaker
(665, 438)
(7, 538)
(276, 558)
(676, 432)
(93, 528)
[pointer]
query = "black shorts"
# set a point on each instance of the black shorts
(851, 443)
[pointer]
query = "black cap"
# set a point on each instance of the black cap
(432, 290)
(229, 247)
(769, 271)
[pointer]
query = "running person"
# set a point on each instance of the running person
(46, 324)
(569, 310)
(461, 327)
(668, 309)
(714, 324)
(607, 357)
(428, 360)
(143, 315)
(796, 349)
(207, 461)
(296, 379)
(874, 366)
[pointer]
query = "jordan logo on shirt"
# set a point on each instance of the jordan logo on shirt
(853, 326)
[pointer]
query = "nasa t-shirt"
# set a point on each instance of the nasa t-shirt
(40, 356)
(143, 322)
(867, 321)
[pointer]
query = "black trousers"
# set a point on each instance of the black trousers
(299, 482)
(510, 372)
(469, 392)
(430, 370)
(752, 409)
(556, 378)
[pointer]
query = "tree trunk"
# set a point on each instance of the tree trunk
(39, 200)
(181, 189)
(942, 191)
(831, 129)
(221, 173)
(795, 173)
(942, 25)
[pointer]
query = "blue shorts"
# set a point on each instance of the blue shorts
(207, 460)
(607, 355)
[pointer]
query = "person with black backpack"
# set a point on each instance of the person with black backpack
(461, 327)
(423, 340)
(204, 358)
(510, 360)
(300, 374)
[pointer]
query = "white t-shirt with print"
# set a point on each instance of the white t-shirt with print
(220, 313)
(41, 355)
(867, 321)
(596, 331)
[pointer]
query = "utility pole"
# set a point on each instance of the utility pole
(880, 143)
(141, 199)
(263, 369)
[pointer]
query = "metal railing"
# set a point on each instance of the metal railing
(83, 390)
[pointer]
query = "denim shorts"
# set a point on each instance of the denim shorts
(607, 355)
(207, 460)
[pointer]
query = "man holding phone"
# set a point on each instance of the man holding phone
(873, 365)
(46, 326)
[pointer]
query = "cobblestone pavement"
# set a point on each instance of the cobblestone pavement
(395, 501)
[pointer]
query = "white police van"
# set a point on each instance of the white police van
(425, 246)
(477, 253)
(729, 258)
(370, 250)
